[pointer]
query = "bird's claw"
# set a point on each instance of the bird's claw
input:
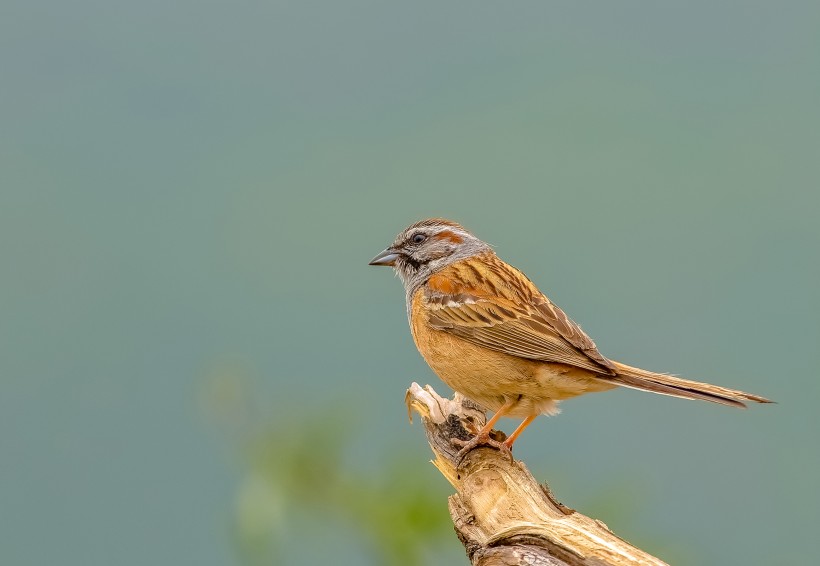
(479, 440)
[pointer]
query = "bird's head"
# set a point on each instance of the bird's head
(423, 248)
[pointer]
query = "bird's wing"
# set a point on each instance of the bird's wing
(494, 305)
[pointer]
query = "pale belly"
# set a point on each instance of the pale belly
(492, 378)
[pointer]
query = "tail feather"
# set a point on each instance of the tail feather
(636, 378)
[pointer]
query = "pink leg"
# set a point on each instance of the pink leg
(483, 436)
(524, 424)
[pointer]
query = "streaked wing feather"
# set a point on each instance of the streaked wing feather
(538, 333)
(572, 333)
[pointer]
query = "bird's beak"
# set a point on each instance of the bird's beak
(387, 257)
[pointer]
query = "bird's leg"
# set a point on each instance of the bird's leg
(524, 424)
(483, 436)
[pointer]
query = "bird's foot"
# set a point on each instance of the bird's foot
(480, 440)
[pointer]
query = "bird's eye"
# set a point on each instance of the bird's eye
(418, 238)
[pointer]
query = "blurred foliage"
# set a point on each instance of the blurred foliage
(295, 466)
(296, 473)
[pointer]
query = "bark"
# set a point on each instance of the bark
(501, 514)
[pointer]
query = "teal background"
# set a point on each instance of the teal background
(190, 193)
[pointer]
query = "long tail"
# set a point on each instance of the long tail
(636, 378)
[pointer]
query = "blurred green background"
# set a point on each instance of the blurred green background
(197, 366)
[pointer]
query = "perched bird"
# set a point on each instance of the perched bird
(491, 335)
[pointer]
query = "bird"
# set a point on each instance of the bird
(491, 335)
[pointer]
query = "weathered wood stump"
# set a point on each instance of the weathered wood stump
(501, 514)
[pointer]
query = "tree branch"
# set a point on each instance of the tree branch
(502, 515)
